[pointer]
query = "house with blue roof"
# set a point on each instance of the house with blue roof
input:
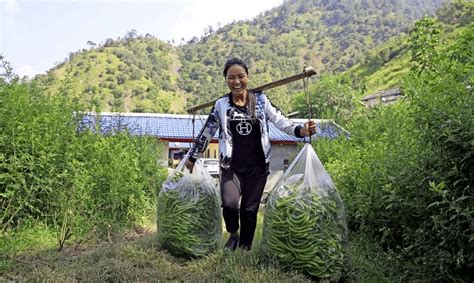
(177, 132)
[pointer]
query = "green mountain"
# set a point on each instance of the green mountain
(384, 66)
(134, 73)
(143, 74)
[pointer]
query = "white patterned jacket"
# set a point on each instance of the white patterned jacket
(219, 119)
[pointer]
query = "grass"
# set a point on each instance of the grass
(136, 256)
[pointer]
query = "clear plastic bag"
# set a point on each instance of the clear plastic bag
(188, 212)
(304, 223)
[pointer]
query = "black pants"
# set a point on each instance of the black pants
(249, 184)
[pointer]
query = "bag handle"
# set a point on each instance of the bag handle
(308, 102)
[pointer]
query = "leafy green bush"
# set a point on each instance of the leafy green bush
(443, 111)
(331, 97)
(73, 181)
(406, 173)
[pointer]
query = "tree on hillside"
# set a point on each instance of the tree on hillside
(91, 43)
(424, 38)
(132, 34)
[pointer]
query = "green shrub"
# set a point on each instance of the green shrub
(72, 180)
(406, 173)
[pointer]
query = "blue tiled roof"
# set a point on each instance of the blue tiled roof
(180, 127)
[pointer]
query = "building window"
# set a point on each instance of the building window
(208, 153)
(286, 163)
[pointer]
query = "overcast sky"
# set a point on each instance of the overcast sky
(37, 34)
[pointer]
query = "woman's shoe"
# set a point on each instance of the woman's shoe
(232, 243)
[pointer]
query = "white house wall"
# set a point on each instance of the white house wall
(280, 152)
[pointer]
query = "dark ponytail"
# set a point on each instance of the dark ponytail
(252, 101)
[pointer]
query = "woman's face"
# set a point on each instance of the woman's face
(237, 80)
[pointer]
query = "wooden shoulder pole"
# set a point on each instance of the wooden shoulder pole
(307, 72)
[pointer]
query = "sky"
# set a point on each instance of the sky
(35, 35)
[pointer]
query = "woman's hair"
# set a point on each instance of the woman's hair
(235, 61)
(251, 100)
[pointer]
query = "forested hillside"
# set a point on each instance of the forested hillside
(384, 66)
(143, 74)
(135, 73)
(328, 35)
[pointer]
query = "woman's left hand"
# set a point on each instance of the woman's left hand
(308, 129)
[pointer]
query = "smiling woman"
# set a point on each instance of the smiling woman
(242, 116)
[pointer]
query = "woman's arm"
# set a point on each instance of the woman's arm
(286, 125)
(204, 137)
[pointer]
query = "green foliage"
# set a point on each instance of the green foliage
(330, 97)
(424, 38)
(443, 104)
(406, 173)
(72, 181)
(456, 12)
(31, 237)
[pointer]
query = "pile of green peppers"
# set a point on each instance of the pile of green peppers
(189, 219)
(304, 231)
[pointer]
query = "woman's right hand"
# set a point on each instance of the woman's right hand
(190, 165)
